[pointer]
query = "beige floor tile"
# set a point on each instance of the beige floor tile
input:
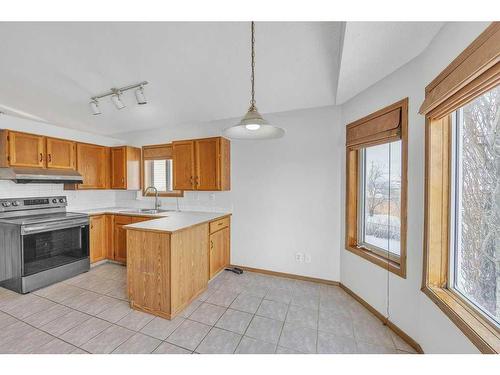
(55, 346)
(279, 295)
(246, 303)
(64, 323)
(367, 348)
(189, 334)
(138, 344)
(335, 323)
(43, 317)
(249, 345)
(219, 341)
(190, 309)
(332, 344)
(6, 319)
(235, 321)
(264, 329)
(207, 314)
(273, 310)
(116, 312)
(135, 320)
(298, 338)
(302, 317)
(108, 340)
(162, 328)
(222, 298)
(167, 348)
(85, 331)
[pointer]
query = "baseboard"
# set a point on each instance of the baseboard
(398, 331)
(288, 275)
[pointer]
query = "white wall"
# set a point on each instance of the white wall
(409, 308)
(285, 193)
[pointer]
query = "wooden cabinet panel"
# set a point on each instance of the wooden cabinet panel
(183, 165)
(98, 238)
(126, 168)
(61, 154)
(120, 238)
(26, 150)
(202, 164)
(219, 224)
(207, 153)
(118, 168)
(93, 165)
(219, 251)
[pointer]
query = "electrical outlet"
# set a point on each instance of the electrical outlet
(211, 196)
(299, 257)
(308, 258)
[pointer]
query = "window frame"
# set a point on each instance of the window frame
(475, 71)
(353, 243)
(163, 154)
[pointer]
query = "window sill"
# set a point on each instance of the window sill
(173, 194)
(471, 323)
(380, 261)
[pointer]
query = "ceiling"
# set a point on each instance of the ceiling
(198, 71)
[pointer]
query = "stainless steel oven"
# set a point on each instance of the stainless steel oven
(42, 243)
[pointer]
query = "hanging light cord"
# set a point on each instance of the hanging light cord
(252, 102)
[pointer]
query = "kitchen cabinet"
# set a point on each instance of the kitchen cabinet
(125, 168)
(25, 150)
(61, 153)
(183, 165)
(119, 235)
(219, 246)
(98, 238)
(201, 164)
(93, 163)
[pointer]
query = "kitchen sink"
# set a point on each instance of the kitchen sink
(145, 211)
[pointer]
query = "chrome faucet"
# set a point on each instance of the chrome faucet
(157, 202)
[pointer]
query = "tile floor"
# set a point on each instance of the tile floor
(249, 313)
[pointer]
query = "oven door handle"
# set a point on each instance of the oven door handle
(48, 227)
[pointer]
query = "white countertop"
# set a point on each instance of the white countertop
(170, 221)
(175, 221)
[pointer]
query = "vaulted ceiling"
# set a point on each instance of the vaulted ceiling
(198, 71)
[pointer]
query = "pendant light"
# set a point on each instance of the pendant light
(253, 125)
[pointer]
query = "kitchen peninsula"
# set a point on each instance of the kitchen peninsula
(171, 259)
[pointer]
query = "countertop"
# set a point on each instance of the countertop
(168, 222)
(175, 221)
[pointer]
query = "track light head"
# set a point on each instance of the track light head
(94, 107)
(117, 101)
(139, 95)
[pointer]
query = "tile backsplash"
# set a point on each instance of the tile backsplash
(89, 199)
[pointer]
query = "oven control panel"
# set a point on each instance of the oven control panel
(16, 204)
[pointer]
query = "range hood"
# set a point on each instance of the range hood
(40, 176)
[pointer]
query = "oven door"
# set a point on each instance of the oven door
(49, 245)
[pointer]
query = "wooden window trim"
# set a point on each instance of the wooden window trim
(473, 72)
(162, 152)
(352, 186)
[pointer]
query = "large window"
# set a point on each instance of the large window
(462, 191)
(376, 153)
(475, 237)
(380, 199)
(157, 170)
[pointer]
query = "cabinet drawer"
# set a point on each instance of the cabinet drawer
(123, 219)
(219, 224)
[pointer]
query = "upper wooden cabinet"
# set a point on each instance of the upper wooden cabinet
(125, 168)
(93, 163)
(201, 164)
(61, 154)
(25, 150)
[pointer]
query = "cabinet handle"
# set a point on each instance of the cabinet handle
(50, 158)
(41, 157)
(211, 244)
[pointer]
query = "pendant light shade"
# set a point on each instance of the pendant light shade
(253, 125)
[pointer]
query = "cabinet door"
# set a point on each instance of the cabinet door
(26, 150)
(119, 168)
(61, 154)
(120, 238)
(91, 163)
(98, 238)
(207, 153)
(219, 251)
(183, 165)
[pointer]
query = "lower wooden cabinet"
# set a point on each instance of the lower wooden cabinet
(219, 246)
(98, 238)
(120, 235)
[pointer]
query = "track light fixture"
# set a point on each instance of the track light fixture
(94, 107)
(116, 97)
